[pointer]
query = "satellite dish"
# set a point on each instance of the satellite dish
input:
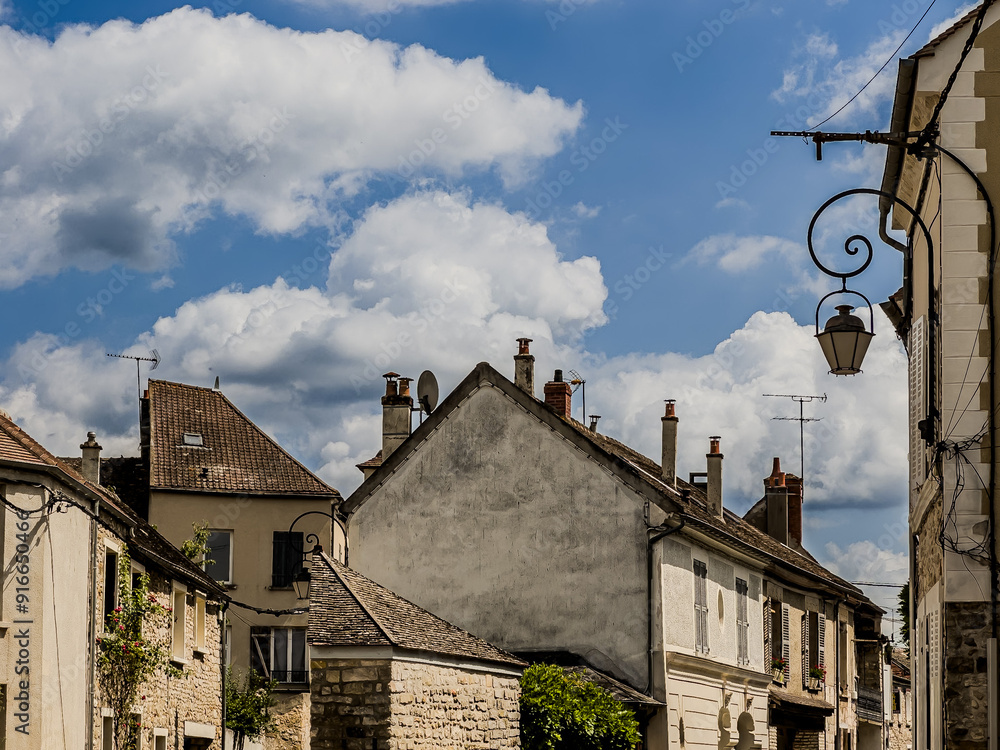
(427, 391)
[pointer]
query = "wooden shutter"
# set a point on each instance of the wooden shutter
(917, 376)
(786, 652)
(805, 650)
(767, 633)
(742, 623)
(260, 650)
(821, 627)
(700, 607)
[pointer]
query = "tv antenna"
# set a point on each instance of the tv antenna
(801, 419)
(576, 380)
(154, 357)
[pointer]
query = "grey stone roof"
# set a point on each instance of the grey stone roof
(348, 609)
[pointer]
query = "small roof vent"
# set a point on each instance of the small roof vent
(193, 438)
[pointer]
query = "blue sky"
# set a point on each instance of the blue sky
(297, 196)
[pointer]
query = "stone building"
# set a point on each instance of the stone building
(387, 674)
(62, 537)
(945, 314)
(510, 519)
(204, 461)
(899, 702)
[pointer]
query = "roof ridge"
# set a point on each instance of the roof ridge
(343, 580)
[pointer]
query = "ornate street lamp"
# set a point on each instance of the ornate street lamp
(845, 338)
(303, 578)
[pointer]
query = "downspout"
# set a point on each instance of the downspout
(836, 620)
(223, 666)
(661, 532)
(92, 626)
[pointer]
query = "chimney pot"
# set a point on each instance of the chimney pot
(559, 396)
(713, 492)
(593, 422)
(524, 367)
(90, 464)
(404, 386)
(668, 448)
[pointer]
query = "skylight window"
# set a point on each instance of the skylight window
(193, 438)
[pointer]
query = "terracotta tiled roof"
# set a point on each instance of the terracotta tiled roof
(144, 543)
(234, 456)
(932, 45)
(372, 462)
(348, 609)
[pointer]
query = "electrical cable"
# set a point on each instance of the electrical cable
(877, 72)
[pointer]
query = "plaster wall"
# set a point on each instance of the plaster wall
(44, 642)
(504, 528)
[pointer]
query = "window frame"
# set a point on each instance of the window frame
(200, 623)
(259, 633)
(111, 583)
(278, 580)
(229, 563)
(178, 628)
(701, 640)
(742, 626)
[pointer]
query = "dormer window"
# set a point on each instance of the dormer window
(193, 438)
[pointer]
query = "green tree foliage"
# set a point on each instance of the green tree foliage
(131, 650)
(561, 711)
(197, 549)
(247, 703)
(904, 616)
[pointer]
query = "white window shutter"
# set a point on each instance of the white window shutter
(917, 377)
(767, 620)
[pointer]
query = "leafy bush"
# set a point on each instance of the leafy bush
(248, 701)
(561, 711)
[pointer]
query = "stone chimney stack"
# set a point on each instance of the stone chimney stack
(714, 489)
(559, 395)
(776, 500)
(397, 407)
(524, 367)
(794, 485)
(91, 465)
(668, 455)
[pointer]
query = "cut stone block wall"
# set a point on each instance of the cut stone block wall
(411, 705)
(967, 632)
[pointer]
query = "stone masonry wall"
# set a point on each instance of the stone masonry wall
(436, 706)
(411, 706)
(967, 631)
(929, 564)
(167, 702)
(349, 703)
(291, 718)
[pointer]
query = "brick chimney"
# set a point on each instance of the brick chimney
(524, 367)
(668, 455)
(776, 500)
(559, 395)
(794, 485)
(91, 465)
(714, 489)
(397, 407)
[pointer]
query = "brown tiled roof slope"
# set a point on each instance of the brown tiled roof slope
(348, 609)
(932, 45)
(695, 508)
(146, 542)
(237, 455)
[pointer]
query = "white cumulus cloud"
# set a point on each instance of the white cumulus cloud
(114, 139)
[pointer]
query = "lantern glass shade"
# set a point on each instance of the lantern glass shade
(301, 583)
(845, 342)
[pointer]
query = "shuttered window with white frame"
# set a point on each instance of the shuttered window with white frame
(700, 607)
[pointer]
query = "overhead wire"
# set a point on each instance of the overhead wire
(877, 72)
